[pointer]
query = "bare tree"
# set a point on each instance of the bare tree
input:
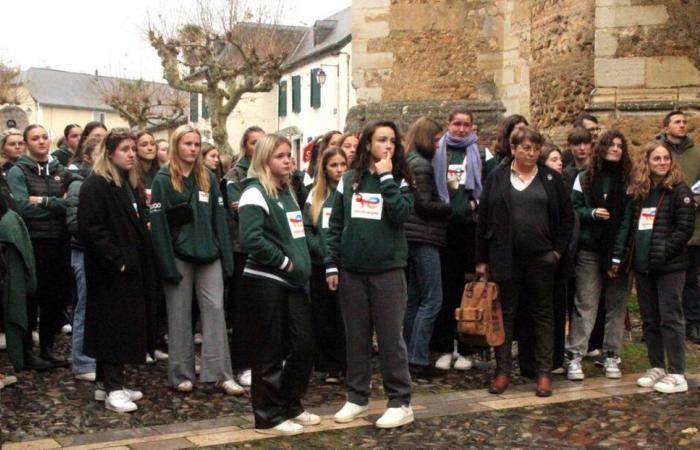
(9, 84)
(225, 51)
(144, 104)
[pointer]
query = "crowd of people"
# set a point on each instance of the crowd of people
(152, 246)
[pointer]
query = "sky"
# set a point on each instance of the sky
(109, 35)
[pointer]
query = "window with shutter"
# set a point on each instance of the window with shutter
(315, 89)
(282, 102)
(205, 108)
(296, 93)
(194, 107)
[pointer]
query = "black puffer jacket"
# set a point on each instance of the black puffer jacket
(673, 227)
(428, 219)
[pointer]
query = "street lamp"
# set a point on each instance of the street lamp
(321, 77)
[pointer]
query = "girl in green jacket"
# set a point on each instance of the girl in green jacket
(367, 255)
(277, 269)
(192, 250)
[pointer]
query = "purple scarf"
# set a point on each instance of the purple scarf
(473, 180)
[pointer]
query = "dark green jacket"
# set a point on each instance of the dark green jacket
(63, 154)
(361, 239)
(233, 182)
(203, 240)
(272, 233)
(317, 235)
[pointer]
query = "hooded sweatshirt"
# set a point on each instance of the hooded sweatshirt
(201, 241)
(49, 180)
(63, 155)
(272, 233)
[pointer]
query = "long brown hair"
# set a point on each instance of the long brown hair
(421, 137)
(598, 156)
(174, 166)
(640, 183)
(321, 189)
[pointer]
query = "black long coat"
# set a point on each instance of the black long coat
(119, 314)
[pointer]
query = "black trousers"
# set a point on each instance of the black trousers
(526, 355)
(532, 284)
(456, 260)
(238, 316)
(327, 321)
(110, 374)
(54, 289)
(282, 352)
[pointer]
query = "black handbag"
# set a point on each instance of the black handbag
(180, 214)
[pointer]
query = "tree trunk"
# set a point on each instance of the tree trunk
(217, 118)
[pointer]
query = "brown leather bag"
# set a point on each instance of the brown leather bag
(479, 317)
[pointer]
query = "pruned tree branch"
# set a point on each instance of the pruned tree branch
(9, 84)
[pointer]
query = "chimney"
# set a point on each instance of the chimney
(323, 28)
(97, 75)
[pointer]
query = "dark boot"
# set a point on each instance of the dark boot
(33, 362)
(499, 384)
(544, 386)
(48, 355)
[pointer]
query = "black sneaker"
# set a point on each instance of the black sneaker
(419, 372)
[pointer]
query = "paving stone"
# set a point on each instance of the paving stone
(168, 444)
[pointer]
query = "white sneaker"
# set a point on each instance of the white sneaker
(160, 355)
(463, 363)
(395, 417)
(119, 401)
(198, 338)
(559, 371)
(3, 341)
(101, 394)
(149, 360)
(86, 376)
(185, 386)
(651, 377)
(611, 368)
(67, 329)
(306, 419)
(671, 384)
(230, 387)
(7, 380)
(245, 378)
(594, 353)
(286, 428)
(35, 338)
(444, 362)
(350, 412)
(575, 371)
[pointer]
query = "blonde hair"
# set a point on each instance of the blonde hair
(640, 183)
(103, 165)
(260, 164)
(321, 190)
(3, 140)
(174, 164)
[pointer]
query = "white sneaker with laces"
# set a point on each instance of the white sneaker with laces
(395, 417)
(559, 371)
(349, 412)
(611, 368)
(230, 387)
(149, 360)
(306, 419)
(101, 394)
(575, 371)
(286, 428)
(594, 353)
(651, 377)
(672, 384)
(160, 355)
(245, 378)
(444, 362)
(119, 401)
(85, 376)
(463, 363)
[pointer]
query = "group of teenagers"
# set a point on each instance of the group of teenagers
(288, 271)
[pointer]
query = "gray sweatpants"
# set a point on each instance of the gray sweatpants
(375, 301)
(208, 283)
(589, 283)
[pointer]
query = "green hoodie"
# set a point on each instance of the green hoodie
(272, 233)
(366, 232)
(203, 240)
(688, 158)
(63, 154)
(317, 235)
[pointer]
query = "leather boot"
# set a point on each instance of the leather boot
(33, 362)
(499, 384)
(544, 386)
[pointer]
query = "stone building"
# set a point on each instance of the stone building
(627, 61)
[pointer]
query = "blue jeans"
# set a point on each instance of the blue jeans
(424, 300)
(81, 362)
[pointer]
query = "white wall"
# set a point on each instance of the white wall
(253, 109)
(337, 96)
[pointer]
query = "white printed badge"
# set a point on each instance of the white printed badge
(455, 174)
(204, 196)
(148, 196)
(296, 224)
(367, 206)
(325, 217)
(646, 219)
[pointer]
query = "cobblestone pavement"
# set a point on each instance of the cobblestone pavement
(649, 421)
